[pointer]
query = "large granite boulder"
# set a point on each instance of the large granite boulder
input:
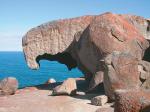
(105, 34)
(83, 42)
(8, 86)
(142, 24)
(53, 38)
(89, 43)
(121, 73)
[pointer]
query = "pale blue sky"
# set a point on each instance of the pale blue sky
(18, 16)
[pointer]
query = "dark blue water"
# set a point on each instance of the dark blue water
(13, 64)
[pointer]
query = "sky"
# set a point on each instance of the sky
(19, 16)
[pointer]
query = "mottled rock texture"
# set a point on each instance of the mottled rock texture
(132, 101)
(53, 38)
(121, 73)
(110, 109)
(144, 71)
(85, 41)
(142, 24)
(68, 87)
(99, 100)
(8, 86)
(41, 101)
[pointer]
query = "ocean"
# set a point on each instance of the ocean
(13, 64)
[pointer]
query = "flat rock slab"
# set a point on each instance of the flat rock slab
(42, 101)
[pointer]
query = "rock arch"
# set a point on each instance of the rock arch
(87, 40)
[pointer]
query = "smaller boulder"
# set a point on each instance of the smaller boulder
(68, 87)
(8, 86)
(50, 81)
(99, 100)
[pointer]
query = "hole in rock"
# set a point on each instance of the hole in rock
(59, 71)
(63, 58)
(55, 70)
(13, 64)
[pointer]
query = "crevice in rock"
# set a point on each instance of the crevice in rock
(63, 58)
(142, 80)
(147, 54)
(148, 26)
(117, 36)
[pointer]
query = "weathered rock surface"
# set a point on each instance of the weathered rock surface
(8, 86)
(89, 43)
(146, 84)
(84, 41)
(142, 24)
(39, 98)
(26, 90)
(68, 87)
(132, 101)
(96, 80)
(144, 70)
(42, 101)
(121, 73)
(53, 38)
(107, 109)
(99, 100)
(35, 99)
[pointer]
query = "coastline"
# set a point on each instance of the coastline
(38, 98)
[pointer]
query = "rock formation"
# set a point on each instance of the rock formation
(68, 87)
(121, 73)
(84, 41)
(54, 38)
(89, 43)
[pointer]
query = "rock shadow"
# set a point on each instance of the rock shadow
(48, 86)
(147, 54)
(99, 90)
(63, 58)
